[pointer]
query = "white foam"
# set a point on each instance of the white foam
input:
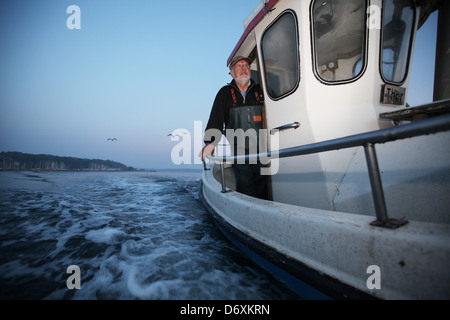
(106, 235)
(160, 289)
(158, 243)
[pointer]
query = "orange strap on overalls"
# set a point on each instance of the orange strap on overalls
(233, 94)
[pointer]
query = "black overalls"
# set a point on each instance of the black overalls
(248, 175)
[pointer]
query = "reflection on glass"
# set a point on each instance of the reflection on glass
(387, 63)
(357, 67)
(280, 56)
(339, 38)
(397, 31)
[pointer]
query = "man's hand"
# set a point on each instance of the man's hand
(207, 151)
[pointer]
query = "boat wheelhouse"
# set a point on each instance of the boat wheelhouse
(359, 180)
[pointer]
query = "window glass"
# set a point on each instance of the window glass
(254, 66)
(339, 38)
(398, 18)
(279, 47)
(387, 63)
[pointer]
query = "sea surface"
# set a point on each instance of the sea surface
(133, 235)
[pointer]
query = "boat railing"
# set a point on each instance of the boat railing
(367, 140)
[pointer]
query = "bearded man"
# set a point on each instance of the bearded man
(238, 105)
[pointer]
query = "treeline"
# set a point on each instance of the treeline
(25, 161)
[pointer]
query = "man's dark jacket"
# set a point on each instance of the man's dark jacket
(220, 111)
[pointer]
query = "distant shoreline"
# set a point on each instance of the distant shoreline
(107, 170)
(18, 161)
(72, 170)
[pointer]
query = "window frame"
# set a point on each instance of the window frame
(410, 46)
(297, 46)
(364, 56)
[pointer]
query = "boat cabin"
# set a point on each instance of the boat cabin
(331, 69)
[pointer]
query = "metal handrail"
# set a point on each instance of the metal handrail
(367, 140)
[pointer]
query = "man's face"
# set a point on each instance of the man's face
(241, 71)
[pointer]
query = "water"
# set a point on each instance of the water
(134, 235)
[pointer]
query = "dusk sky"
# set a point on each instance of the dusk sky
(135, 71)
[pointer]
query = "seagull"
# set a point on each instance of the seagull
(176, 135)
(111, 139)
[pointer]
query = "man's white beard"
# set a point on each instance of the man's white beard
(242, 80)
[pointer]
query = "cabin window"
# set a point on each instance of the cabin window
(254, 66)
(339, 29)
(279, 46)
(398, 23)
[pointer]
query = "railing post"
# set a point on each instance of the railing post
(204, 165)
(375, 182)
(222, 175)
(377, 190)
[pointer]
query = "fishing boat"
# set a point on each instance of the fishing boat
(359, 180)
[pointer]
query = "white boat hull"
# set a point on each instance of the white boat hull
(413, 261)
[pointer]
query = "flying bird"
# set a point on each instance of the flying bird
(176, 135)
(111, 139)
